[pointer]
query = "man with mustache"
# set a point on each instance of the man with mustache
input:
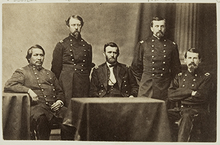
(190, 90)
(72, 61)
(112, 79)
(47, 98)
(156, 62)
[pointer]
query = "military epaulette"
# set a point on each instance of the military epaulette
(180, 74)
(207, 74)
(142, 41)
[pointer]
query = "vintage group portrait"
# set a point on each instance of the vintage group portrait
(109, 72)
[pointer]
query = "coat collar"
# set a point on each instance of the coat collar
(104, 75)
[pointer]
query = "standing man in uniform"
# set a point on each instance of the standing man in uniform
(190, 89)
(47, 98)
(72, 61)
(112, 79)
(156, 62)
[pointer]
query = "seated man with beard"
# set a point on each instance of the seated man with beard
(190, 90)
(112, 79)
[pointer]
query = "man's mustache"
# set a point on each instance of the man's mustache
(39, 61)
(160, 33)
(192, 63)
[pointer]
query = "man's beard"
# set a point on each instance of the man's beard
(192, 66)
(38, 65)
(160, 34)
(76, 34)
(111, 60)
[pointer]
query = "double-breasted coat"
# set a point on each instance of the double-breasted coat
(72, 63)
(154, 65)
(44, 83)
(190, 109)
(126, 82)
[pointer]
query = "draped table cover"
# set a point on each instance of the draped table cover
(119, 119)
(16, 116)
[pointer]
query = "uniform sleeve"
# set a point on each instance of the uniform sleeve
(57, 60)
(94, 85)
(175, 93)
(16, 83)
(203, 90)
(59, 91)
(175, 62)
(137, 63)
(91, 65)
(133, 83)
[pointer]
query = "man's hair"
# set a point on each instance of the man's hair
(193, 50)
(29, 51)
(157, 18)
(75, 17)
(112, 44)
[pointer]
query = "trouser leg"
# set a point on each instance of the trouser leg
(174, 116)
(43, 128)
(185, 126)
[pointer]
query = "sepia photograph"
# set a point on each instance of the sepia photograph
(109, 72)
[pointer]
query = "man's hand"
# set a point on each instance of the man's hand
(194, 93)
(57, 105)
(33, 95)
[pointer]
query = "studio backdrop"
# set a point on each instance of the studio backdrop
(188, 24)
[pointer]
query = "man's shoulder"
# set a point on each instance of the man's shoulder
(100, 66)
(64, 40)
(24, 68)
(122, 65)
(170, 42)
(206, 74)
(84, 41)
(48, 72)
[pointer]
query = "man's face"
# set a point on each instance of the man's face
(111, 54)
(158, 28)
(75, 26)
(37, 57)
(192, 61)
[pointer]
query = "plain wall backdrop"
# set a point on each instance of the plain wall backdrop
(25, 25)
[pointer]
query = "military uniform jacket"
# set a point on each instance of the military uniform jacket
(100, 76)
(155, 63)
(44, 83)
(72, 63)
(184, 83)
